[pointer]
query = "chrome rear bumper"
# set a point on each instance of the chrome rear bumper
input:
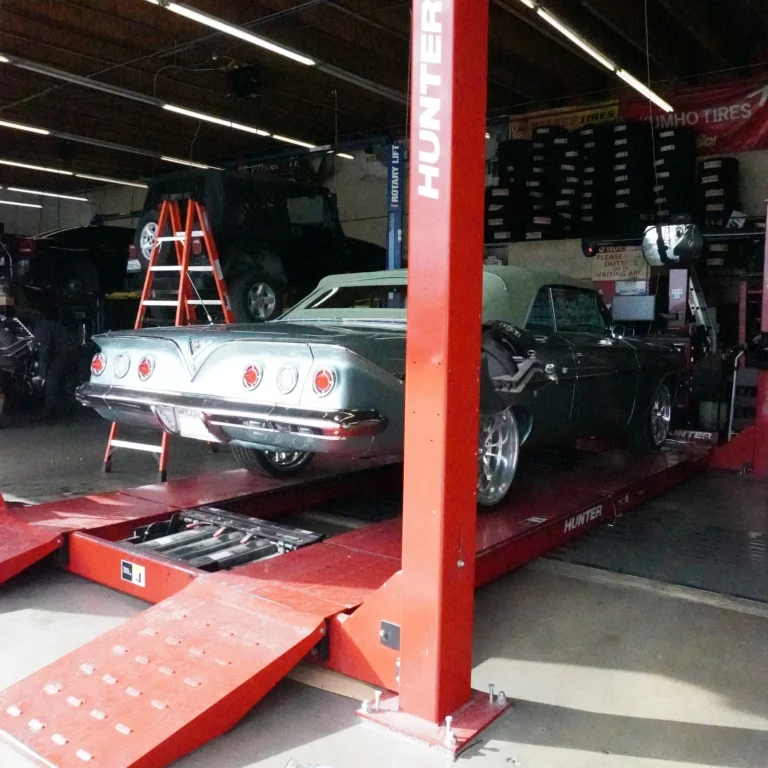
(261, 425)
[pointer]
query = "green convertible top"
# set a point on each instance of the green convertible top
(508, 292)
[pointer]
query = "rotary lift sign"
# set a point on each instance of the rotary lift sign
(619, 262)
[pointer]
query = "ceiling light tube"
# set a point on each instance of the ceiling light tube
(3, 60)
(644, 90)
(47, 194)
(575, 38)
(530, 4)
(249, 129)
(190, 163)
(108, 180)
(216, 120)
(23, 127)
(345, 156)
(238, 32)
(36, 167)
(21, 205)
(288, 140)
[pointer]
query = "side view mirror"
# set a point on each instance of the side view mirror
(675, 245)
(618, 331)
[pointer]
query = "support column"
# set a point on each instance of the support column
(448, 111)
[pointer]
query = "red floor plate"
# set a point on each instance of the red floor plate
(475, 716)
(22, 546)
(161, 685)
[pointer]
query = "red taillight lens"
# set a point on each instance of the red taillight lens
(252, 376)
(27, 246)
(98, 364)
(324, 381)
(146, 368)
(197, 246)
(131, 251)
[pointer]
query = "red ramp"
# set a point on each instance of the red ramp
(161, 685)
(22, 546)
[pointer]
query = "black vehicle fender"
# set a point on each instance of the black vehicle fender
(649, 381)
(243, 257)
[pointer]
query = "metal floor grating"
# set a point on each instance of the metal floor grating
(693, 537)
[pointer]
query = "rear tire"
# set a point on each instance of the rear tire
(649, 430)
(272, 463)
(145, 237)
(256, 297)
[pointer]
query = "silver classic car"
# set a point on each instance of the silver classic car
(328, 376)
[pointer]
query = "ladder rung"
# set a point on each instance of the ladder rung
(159, 303)
(177, 268)
(205, 302)
(196, 233)
(136, 446)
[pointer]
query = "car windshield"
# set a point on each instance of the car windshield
(376, 302)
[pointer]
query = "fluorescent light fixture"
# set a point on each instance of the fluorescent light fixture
(23, 127)
(235, 31)
(293, 141)
(179, 161)
(21, 205)
(524, 2)
(108, 180)
(47, 194)
(487, 135)
(644, 90)
(345, 155)
(216, 120)
(3, 60)
(249, 129)
(36, 167)
(576, 39)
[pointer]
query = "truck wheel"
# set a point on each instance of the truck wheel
(650, 428)
(256, 297)
(145, 238)
(271, 463)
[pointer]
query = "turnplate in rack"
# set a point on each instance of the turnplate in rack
(185, 303)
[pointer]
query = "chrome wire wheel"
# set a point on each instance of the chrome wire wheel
(262, 301)
(661, 414)
(497, 456)
(147, 239)
(286, 461)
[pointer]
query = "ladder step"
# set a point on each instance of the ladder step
(177, 268)
(205, 302)
(136, 446)
(177, 238)
(159, 303)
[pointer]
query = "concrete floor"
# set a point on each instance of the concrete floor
(607, 671)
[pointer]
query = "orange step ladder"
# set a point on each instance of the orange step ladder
(186, 302)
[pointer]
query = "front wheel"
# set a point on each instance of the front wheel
(651, 428)
(256, 297)
(272, 463)
(497, 456)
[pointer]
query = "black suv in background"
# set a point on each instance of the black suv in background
(70, 266)
(276, 237)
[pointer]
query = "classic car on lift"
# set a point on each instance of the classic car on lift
(328, 376)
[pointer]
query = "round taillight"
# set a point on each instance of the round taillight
(146, 368)
(122, 366)
(98, 364)
(252, 376)
(324, 381)
(287, 379)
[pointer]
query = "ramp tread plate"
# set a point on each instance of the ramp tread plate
(162, 684)
(21, 546)
(323, 579)
(89, 513)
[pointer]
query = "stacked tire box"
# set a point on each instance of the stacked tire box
(507, 204)
(675, 174)
(633, 178)
(595, 197)
(718, 190)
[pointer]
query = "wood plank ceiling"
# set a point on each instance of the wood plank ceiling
(140, 46)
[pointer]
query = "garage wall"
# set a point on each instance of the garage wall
(754, 181)
(58, 214)
(564, 256)
(361, 188)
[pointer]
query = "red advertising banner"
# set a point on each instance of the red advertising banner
(727, 119)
